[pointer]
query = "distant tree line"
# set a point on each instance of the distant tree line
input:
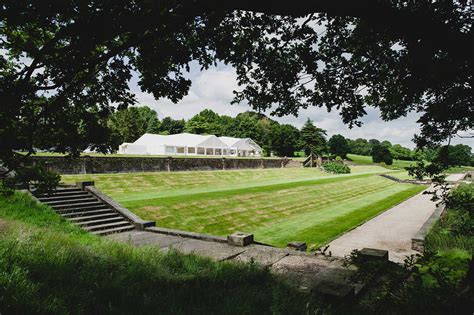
(129, 124)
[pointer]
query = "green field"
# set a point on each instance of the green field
(276, 205)
(367, 160)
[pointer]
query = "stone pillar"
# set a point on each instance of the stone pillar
(84, 184)
(83, 165)
(223, 163)
(168, 163)
(371, 254)
(240, 239)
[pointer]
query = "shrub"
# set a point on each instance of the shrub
(37, 177)
(429, 284)
(462, 198)
(380, 154)
(336, 168)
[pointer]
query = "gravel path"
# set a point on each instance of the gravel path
(391, 230)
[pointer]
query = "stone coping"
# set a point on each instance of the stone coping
(407, 181)
(186, 234)
(418, 241)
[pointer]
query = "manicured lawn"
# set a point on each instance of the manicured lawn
(367, 160)
(277, 205)
(360, 159)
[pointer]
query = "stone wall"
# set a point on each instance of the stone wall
(99, 164)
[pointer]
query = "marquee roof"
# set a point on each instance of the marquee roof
(181, 140)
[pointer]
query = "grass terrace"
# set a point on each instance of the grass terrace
(276, 205)
(49, 266)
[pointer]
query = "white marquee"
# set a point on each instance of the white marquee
(191, 144)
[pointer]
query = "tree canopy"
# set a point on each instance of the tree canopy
(127, 125)
(63, 64)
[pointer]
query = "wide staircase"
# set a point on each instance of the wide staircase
(84, 209)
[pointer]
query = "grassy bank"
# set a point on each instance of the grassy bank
(455, 230)
(49, 266)
(367, 160)
(276, 205)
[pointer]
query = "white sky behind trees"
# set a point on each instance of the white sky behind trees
(213, 88)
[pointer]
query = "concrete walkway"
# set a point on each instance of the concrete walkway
(391, 230)
(455, 177)
(307, 271)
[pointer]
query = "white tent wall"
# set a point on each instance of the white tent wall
(131, 148)
(191, 144)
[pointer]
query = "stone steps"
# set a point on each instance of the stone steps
(64, 197)
(85, 216)
(79, 214)
(113, 230)
(86, 210)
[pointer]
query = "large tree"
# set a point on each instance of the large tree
(63, 63)
(170, 126)
(129, 124)
(206, 122)
(284, 139)
(359, 146)
(313, 139)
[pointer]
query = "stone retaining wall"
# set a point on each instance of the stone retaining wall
(98, 164)
(407, 181)
(418, 241)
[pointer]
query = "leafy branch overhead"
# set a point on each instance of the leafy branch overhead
(64, 64)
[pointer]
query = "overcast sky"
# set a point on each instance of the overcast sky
(213, 88)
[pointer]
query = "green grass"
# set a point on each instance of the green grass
(367, 160)
(48, 266)
(459, 169)
(360, 159)
(277, 205)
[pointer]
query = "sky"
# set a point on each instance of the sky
(212, 89)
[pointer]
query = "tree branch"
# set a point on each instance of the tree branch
(416, 25)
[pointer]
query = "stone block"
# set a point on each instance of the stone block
(334, 290)
(263, 255)
(299, 246)
(374, 254)
(240, 239)
(84, 184)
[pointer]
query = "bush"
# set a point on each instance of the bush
(336, 168)
(37, 177)
(462, 198)
(430, 284)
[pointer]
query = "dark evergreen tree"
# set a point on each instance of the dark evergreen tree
(312, 139)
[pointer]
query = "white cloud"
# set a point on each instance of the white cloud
(213, 88)
(210, 89)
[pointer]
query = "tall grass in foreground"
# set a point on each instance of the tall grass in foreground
(52, 267)
(439, 240)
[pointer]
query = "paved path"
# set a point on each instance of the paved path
(307, 271)
(455, 177)
(391, 230)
